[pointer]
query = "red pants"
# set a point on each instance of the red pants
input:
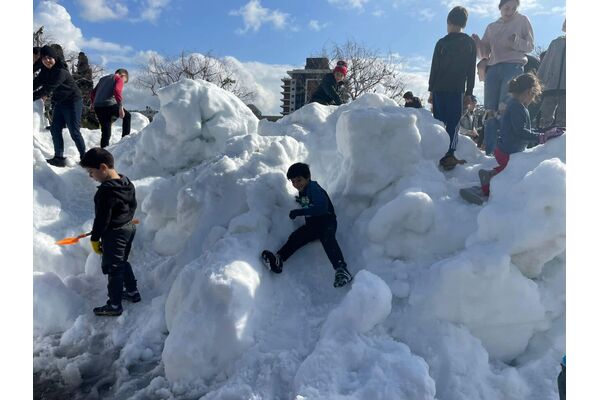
(502, 159)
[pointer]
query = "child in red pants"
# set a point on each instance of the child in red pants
(515, 126)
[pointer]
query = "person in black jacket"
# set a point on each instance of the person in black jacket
(54, 79)
(452, 66)
(329, 90)
(37, 60)
(410, 101)
(113, 230)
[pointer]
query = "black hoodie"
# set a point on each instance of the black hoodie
(56, 81)
(328, 92)
(115, 205)
(453, 64)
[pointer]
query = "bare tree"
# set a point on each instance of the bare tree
(369, 71)
(161, 72)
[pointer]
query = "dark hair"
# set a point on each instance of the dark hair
(36, 50)
(122, 71)
(298, 169)
(503, 2)
(96, 156)
(458, 16)
(342, 63)
(523, 83)
(408, 95)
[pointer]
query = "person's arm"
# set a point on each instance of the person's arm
(93, 96)
(318, 202)
(103, 215)
(48, 85)
(434, 66)
(471, 67)
(118, 90)
(524, 41)
(518, 122)
(484, 46)
(330, 89)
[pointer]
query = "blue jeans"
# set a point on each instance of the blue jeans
(496, 96)
(447, 107)
(68, 114)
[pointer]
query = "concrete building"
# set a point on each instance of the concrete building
(302, 83)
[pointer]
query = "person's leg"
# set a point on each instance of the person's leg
(331, 246)
(547, 110)
(126, 124)
(116, 244)
(485, 176)
(129, 281)
(73, 120)
(562, 383)
(56, 128)
(104, 115)
(560, 117)
(508, 71)
(491, 98)
(454, 107)
(300, 237)
(115, 287)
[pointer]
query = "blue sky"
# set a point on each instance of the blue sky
(268, 33)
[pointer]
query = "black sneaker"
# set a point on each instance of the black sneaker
(342, 277)
(108, 310)
(272, 261)
(57, 161)
(133, 297)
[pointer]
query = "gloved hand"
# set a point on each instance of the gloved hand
(96, 246)
(294, 213)
(551, 134)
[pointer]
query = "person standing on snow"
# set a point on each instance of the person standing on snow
(452, 78)
(329, 90)
(505, 44)
(107, 102)
(54, 79)
(552, 74)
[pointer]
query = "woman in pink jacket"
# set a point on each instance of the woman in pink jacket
(504, 45)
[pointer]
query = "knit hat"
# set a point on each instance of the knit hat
(341, 69)
(408, 95)
(48, 51)
(503, 2)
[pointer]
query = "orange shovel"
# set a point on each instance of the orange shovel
(73, 240)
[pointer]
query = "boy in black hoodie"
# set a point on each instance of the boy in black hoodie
(452, 66)
(113, 230)
(321, 224)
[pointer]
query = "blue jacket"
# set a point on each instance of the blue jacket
(515, 128)
(315, 202)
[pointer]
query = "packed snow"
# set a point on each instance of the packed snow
(450, 300)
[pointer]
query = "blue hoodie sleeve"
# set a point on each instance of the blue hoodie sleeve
(521, 128)
(318, 201)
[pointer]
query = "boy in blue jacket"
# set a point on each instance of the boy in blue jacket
(321, 224)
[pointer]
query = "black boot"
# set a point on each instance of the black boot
(57, 161)
(272, 261)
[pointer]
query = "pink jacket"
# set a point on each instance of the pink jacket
(497, 46)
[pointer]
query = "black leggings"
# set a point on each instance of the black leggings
(105, 117)
(323, 230)
(116, 245)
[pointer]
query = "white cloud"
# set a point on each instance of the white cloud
(378, 13)
(99, 10)
(489, 8)
(316, 26)
(255, 15)
(426, 14)
(153, 9)
(57, 25)
(353, 4)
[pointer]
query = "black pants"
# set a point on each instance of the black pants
(106, 116)
(562, 383)
(116, 245)
(322, 229)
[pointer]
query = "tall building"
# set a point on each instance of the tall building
(302, 83)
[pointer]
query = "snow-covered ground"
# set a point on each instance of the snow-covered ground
(450, 300)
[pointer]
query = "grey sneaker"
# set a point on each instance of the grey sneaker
(485, 177)
(342, 277)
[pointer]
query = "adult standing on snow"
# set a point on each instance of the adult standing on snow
(329, 90)
(552, 74)
(55, 79)
(107, 102)
(505, 44)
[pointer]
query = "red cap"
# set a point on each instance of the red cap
(342, 69)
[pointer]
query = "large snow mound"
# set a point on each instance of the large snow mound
(450, 300)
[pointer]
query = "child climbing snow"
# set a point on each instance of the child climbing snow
(321, 224)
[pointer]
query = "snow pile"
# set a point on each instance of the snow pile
(450, 300)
